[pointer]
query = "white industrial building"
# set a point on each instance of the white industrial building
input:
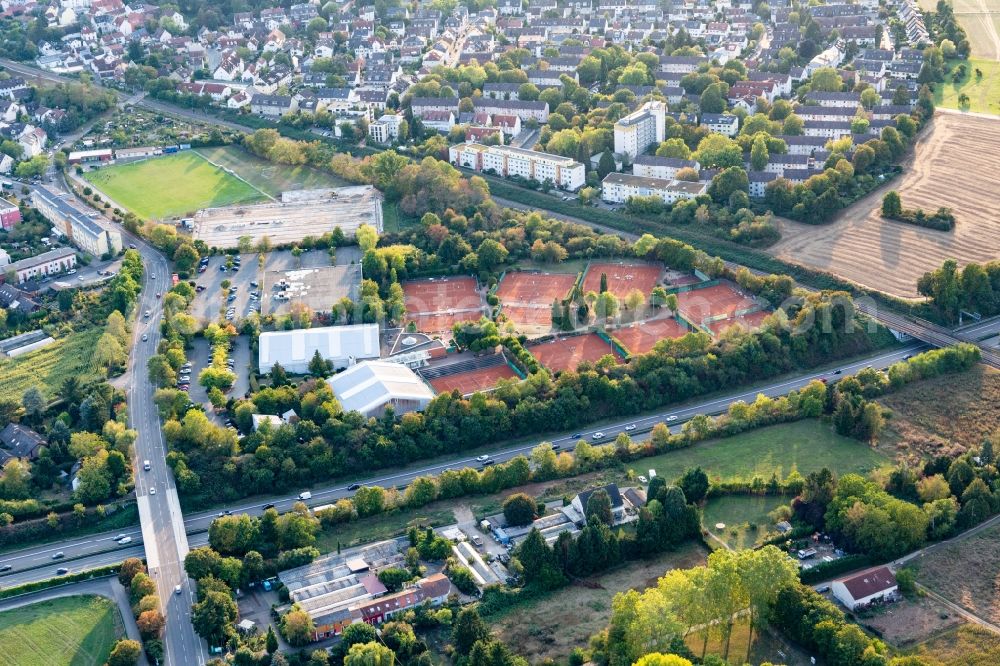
(341, 345)
(619, 187)
(638, 131)
(371, 386)
(506, 161)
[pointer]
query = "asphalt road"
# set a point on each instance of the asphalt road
(163, 536)
(97, 550)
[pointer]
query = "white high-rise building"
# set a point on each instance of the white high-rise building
(636, 132)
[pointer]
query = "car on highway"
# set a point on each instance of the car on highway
(145, 337)
(58, 556)
(131, 246)
(597, 436)
(146, 314)
(672, 417)
(577, 435)
(5, 567)
(305, 496)
(146, 465)
(62, 571)
(177, 589)
(837, 372)
(556, 447)
(269, 505)
(152, 491)
(120, 537)
(158, 294)
(153, 276)
(482, 458)
(354, 486)
(124, 540)
(630, 427)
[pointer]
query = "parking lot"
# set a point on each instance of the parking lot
(198, 356)
(212, 302)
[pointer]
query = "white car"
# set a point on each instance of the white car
(598, 435)
(152, 491)
(482, 458)
(145, 337)
(630, 427)
(672, 417)
(125, 540)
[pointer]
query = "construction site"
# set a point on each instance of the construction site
(298, 214)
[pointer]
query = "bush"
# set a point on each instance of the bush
(519, 509)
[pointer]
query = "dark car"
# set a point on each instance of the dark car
(578, 435)
(6, 567)
(269, 505)
(556, 447)
(62, 571)
(353, 486)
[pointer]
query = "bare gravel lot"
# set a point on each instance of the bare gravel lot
(955, 164)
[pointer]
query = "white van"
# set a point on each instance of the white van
(305, 496)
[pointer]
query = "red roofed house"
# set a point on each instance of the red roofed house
(434, 590)
(865, 588)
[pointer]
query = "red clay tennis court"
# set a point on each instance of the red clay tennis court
(640, 338)
(568, 353)
(751, 322)
(525, 315)
(534, 288)
(721, 299)
(623, 277)
(473, 380)
(436, 304)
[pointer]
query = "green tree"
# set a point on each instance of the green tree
(674, 148)
(892, 206)
(759, 156)
(271, 642)
(519, 509)
(599, 507)
(694, 484)
(213, 616)
(125, 653)
(606, 164)
(468, 628)
(369, 654)
(297, 627)
(319, 366)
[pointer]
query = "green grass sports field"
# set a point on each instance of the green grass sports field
(71, 631)
(172, 185)
(267, 176)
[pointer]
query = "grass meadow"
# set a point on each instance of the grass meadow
(806, 446)
(70, 631)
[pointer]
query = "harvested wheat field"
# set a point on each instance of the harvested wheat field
(946, 570)
(955, 164)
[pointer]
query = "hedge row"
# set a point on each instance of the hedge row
(90, 574)
(827, 570)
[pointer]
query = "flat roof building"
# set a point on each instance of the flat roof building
(85, 232)
(341, 345)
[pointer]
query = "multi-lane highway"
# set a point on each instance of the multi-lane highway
(98, 550)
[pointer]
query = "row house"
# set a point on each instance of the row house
(421, 105)
(847, 100)
(217, 91)
(828, 129)
(662, 168)
(815, 112)
(759, 181)
(273, 106)
(507, 161)
(620, 187)
(538, 111)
